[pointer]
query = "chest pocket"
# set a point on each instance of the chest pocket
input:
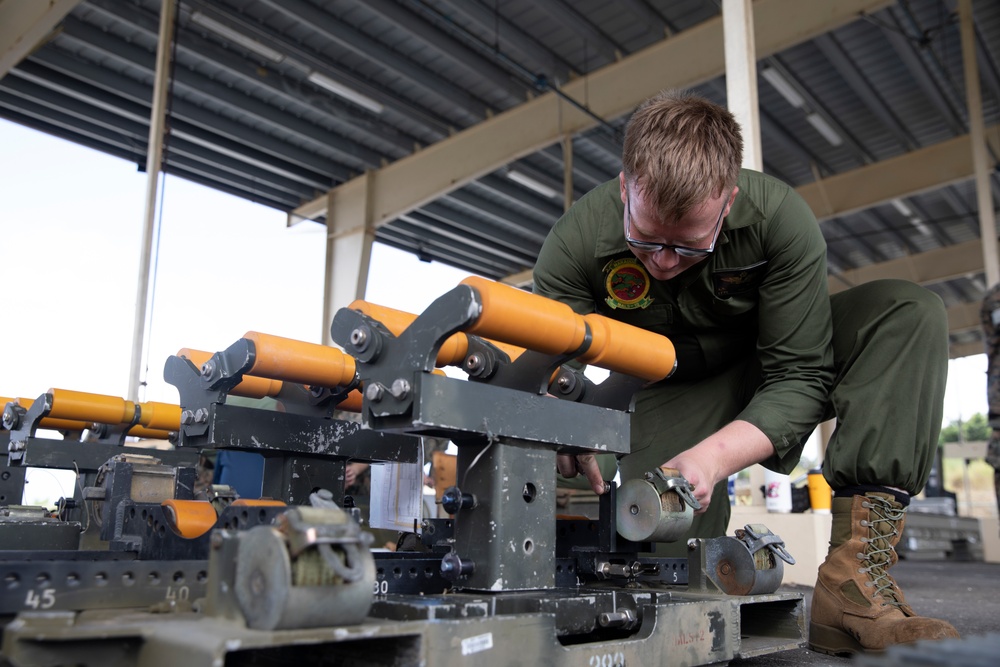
(740, 281)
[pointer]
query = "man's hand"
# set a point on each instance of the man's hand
(569, 465)
(730, 449)
(698, 474)
(352, 471)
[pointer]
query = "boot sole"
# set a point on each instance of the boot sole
(830, 640)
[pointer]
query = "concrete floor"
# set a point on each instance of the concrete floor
(966, 594)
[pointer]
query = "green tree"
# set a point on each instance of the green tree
(976, 428)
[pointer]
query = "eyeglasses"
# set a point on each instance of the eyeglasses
(683, 251)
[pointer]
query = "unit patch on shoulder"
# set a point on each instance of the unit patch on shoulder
(627, 284)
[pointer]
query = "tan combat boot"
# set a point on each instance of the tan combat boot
(857, 605)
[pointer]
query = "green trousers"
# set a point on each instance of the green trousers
(890, 343)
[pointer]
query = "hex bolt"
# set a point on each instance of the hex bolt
(10, 419)
(187, 417)
(400, 388)
(200, 416)
(473, 363)
(373, 392)
(207, 369)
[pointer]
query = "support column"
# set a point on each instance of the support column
(741, 76)
(154, 158)
(977, 134)
(741, 99)
(349, 238)
(567, 149)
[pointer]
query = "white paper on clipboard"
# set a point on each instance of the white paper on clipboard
(397, 496)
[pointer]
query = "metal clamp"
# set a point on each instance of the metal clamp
(757, 536)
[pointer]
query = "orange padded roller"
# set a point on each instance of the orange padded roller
(352, 403)
(626, 349)
(78, 405)
(531, 321)
(297, 361)
(156, 416)
(258, 502)
(149, 433)
(191, 518)
(250, 387)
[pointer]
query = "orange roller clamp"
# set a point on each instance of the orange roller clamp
(191, 518)
(86, 407)
(45, 422)
(297, 361)
(626, 349)
(250, 387)
(453, 349)
(531, 321)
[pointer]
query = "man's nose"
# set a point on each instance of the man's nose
(666, 259)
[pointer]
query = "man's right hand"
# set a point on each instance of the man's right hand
(569, 465)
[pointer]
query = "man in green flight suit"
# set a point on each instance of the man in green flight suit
(730, 264)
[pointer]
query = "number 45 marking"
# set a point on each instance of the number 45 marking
(44, 601)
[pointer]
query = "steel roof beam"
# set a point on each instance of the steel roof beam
(442, 42)
(509, 33)
(934, 266)
(695, 55)
(25, 23)
(851, 73)
(592, 37)
(191, 46)
(337, 31)
(925, 169)
(192, 85)
(73, 114)
(90, 84)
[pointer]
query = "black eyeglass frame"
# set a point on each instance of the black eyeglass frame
(683, 251)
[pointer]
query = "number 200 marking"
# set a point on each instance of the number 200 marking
(607, 660)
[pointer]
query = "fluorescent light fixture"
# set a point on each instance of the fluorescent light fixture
(921, 227)
(236, 37)
(901, 206)
(824, 128)
(532, 184)
(784, 88)
(349, 94)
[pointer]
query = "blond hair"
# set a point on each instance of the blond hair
(680, 150)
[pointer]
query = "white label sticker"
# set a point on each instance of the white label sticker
(477, 644)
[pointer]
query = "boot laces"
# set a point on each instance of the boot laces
(883, 523)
